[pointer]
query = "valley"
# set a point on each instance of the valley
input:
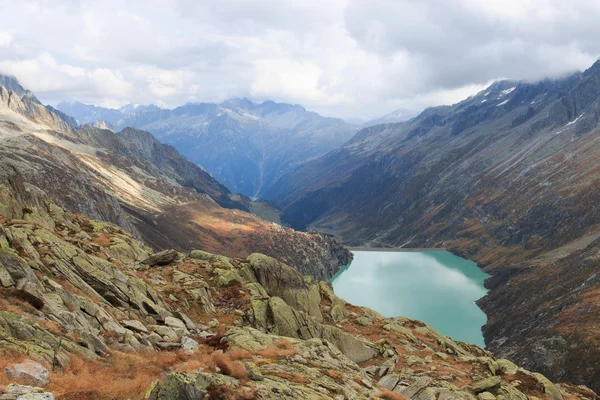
(506, 178)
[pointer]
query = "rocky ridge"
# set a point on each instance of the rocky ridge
(245, 145)
(88, 311)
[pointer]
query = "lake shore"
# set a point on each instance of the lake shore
(395, 249)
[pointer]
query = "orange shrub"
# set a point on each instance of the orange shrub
(228, 366)
(389, 395)
(335, 375)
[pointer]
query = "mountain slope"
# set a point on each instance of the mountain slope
(88, 312)
(131, 179)
(507, 178)
(246, 146)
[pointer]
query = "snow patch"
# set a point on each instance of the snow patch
(575, 120)
(503, 103)
(506, 92)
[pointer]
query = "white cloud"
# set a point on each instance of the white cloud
(348, 58)
(5, 38)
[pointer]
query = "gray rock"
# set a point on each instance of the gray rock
(189, 345)
(161, 258)
(30, 372)
(134, 325)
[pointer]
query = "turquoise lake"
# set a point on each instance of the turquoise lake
(436, 287)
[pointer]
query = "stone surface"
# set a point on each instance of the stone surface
(30, 372)
(487, 384)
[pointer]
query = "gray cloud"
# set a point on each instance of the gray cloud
(347, 58)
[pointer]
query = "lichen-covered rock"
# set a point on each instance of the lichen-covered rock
(282, 281)
(181, 386)
(226, 277)
(20, 392)
(487, 384)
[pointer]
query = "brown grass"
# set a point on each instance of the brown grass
(125, 376)
(335, 375)
(102, 241)
(358, 380)
(389, 395)
(225, 392)
(14, 306)
(228, 366)
(9, 358)
(289, 376)
(21, 297)
(51, 326)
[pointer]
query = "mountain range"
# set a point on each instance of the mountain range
(245, 145)
(507, 178)
(150, 190)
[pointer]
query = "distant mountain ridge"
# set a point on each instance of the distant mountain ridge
(245, 145)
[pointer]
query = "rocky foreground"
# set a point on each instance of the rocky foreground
(89, 312)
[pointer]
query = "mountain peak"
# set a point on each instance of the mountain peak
(239, 103)
(12, 84)
(594, 69)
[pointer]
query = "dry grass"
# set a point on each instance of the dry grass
(358, 380)
(232, 393)
(228, 366)
(21, 298)
(335, 375)
(125, 376)
(289, 376)
(389, 395)
(9, 358)
(102, 241)
(51, 326)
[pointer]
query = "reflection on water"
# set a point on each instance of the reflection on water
(436, 287)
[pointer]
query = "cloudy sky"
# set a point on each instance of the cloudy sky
(354, 59)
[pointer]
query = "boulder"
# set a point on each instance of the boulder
(161, 258)
(189, 345)
(487, 384)
(253, 372)
(226, 277)
(175, 323)
(134, 325)
(549, 388)
(29, 372)
(179, 386)
(363, 321)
